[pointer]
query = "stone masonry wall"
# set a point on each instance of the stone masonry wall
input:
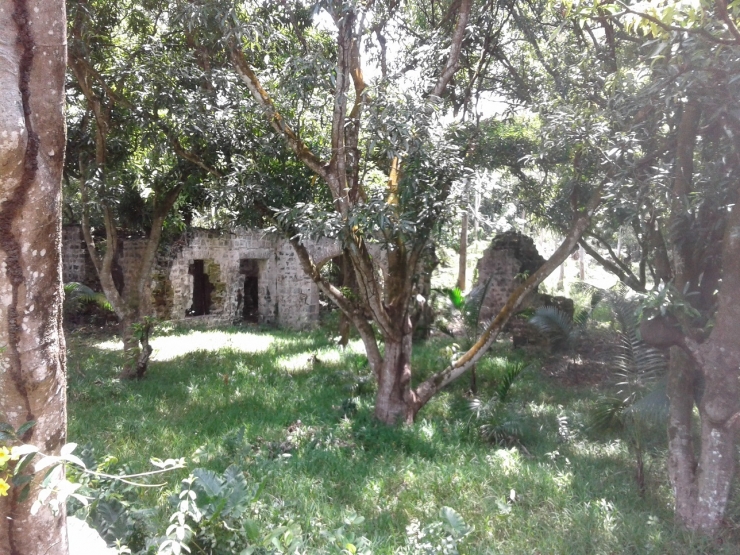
(286, 296)
(510, 257)
(76, 263)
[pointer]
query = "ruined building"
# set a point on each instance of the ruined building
(216, 277)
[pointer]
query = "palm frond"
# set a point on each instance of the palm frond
(455, 296)
(507, 380)
(76, 294)
(608, 415)
(653, 406)
(553, 322)
(637, 365)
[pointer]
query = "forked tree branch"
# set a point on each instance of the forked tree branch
(348, 309)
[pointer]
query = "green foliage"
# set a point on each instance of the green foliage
(638, 400)
(77, 295)
(497, 423)
(442, 537)
(667, 301)
(558, 326)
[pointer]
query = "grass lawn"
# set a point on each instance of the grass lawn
(294, 413)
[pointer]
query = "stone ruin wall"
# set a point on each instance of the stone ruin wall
(286, 296)
(509, 259)
(76, 263)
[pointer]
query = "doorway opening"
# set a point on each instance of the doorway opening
(249, 268)
(202, 288)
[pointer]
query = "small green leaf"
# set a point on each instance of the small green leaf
(24, 493)
(25, 427)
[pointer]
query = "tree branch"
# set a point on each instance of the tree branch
(625, 275)
(348, 309)
(245, 73)
(123, 101)
(432, 385)
(453, 62)
(691, 30)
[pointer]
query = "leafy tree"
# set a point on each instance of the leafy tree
(32, 352)
(378, 148)
(676, 187)
(134, 149)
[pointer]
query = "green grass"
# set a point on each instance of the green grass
(572, 493)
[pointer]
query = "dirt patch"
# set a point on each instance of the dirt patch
(587, 363)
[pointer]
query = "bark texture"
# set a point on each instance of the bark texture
(32, 351)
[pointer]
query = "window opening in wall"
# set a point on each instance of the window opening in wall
(201, 290)
(249, 268)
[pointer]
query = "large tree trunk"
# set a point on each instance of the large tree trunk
(702, 490)
(702, 487)
(395, 402)
(32, 352)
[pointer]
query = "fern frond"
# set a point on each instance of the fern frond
(79, 293)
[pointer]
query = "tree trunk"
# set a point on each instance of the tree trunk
(461, 278)
(702, 490)
(582, 263)
(681, 456)
(561, 278)
(395, 402)
(348, 281)
(32, 351)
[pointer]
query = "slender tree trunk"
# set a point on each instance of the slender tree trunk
(681, 456)
(561, 278)
(32, 351)
(581, 263)
(476, 213)
(463, 262)
(348, 281)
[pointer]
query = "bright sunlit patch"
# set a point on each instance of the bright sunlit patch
(171, 347)
(305, 361)
(508, 461)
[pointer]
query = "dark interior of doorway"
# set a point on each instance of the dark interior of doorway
(202, 288)
(250, 269)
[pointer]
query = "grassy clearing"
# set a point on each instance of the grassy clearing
(236, 396)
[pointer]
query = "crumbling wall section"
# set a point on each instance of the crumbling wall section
(76, 263)
(286, 296)
(221, 253)
(510, 258)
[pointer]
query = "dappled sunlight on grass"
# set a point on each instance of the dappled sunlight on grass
(305, 361)
(294, 412)
(173, 346)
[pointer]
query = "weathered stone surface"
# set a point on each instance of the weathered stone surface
(509, 259)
